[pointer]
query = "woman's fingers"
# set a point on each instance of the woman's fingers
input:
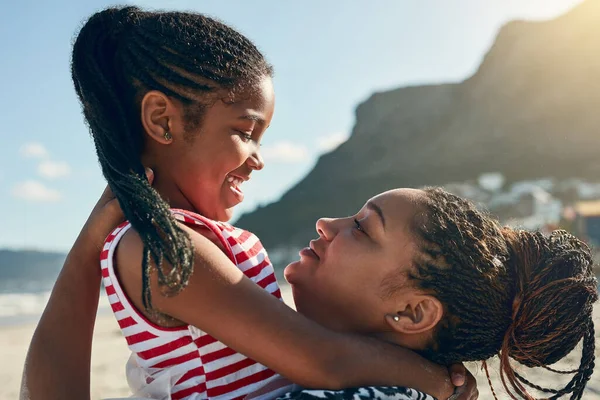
(150, 175)
(466, 385)
(458, 374)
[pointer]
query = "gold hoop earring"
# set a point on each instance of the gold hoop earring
(168, 136)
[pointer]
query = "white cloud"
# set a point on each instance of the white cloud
(285, 152)
(34, 150)
(35, 191)
(54, 169)
(331, 142)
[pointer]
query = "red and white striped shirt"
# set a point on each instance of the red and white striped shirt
(196, 365)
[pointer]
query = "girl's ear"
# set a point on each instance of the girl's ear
(157, 113)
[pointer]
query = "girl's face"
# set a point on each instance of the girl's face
(203, 170)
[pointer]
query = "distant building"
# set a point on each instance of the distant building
(588, 191)
(587, 221)
(527, 206)
(546, 207)
(492, 182)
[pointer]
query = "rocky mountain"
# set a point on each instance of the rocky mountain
(531, 110)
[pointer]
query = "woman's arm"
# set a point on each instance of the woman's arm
(58, 361)
(223, 302)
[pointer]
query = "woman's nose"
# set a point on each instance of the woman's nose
(326, 228)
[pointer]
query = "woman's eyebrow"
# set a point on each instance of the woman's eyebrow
(377, 209)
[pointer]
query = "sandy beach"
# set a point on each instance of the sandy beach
(110, 354)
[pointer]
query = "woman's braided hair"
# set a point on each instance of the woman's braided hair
(512, 293)
(118, 56)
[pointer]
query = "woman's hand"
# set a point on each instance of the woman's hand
(466, 385)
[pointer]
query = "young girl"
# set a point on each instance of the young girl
(191, 98)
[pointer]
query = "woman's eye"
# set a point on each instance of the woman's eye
(358, 225)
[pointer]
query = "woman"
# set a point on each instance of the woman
(426, 270)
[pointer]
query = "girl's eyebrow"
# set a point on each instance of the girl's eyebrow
(377, 209)
(252, 117)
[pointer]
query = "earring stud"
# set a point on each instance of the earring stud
(168, 136)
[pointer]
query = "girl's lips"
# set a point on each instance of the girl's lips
(234, 182)
(239, 195)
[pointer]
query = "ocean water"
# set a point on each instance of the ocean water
(23, 300)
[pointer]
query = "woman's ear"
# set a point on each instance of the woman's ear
(420, 314)
(157, 113)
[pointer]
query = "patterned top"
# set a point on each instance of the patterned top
(362, 393)
(184, 362)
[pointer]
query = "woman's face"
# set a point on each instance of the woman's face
(340, 278)
(202, 170)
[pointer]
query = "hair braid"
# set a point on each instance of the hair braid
(163, 77)
(517, 294)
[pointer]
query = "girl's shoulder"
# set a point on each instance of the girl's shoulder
(226, 232)
(128, 246)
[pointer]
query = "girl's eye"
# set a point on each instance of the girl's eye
(246, 137)
(358, 226)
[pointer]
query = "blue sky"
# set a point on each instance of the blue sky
(328, 57)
